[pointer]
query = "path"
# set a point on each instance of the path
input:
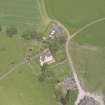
(11, 70)
(33, 70)
(86, 26)
(15, 68)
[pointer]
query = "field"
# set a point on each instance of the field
(88, 54)
(22, 14)
(19, 82)
(88, 47)
(22, 87)
(74, 14)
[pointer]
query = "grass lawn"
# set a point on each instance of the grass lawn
(11, 51)
(74, 14)
(23, 88)
(22, 85)
(88, 54)
(60, 70)
(23, 14)
(93, 35)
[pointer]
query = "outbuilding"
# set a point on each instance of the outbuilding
(46, 57)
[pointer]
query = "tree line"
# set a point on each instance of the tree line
(27, 34)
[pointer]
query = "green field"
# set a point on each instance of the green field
(88, 47)
(22, 14)
(19, 83)
(88, 54)
(21, 86)
(75, 13)
(9, 52)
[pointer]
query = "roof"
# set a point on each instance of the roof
(46, 53)
(69, 83)
(46, 57)
(88, 101)
(56, 29)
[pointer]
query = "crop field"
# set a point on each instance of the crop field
(88, 54)
(75, 13)
(22, 14)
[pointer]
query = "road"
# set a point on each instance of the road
(86, 26)
(81, 91)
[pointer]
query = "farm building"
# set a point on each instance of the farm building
(88, 101)
(69, 83)
(55, 31)
(46, 57)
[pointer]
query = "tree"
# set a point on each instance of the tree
(11, 31)
(28, 35)
(0, 28)
(36, 35)
(42, 76)
(67, 97)
(52, 45)
(62, 39)
(43, 68)
(47, 75)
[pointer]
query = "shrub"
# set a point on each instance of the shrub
(28, 35)
(0, 28)
(11, 31)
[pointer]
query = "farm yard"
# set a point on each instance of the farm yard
(19, 81)
(27, 28)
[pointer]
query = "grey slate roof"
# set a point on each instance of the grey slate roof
(88, 101)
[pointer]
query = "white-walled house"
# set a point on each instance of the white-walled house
(46, 57)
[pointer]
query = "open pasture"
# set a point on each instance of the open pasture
(88, 55)
(19, 84)
(75, 13)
